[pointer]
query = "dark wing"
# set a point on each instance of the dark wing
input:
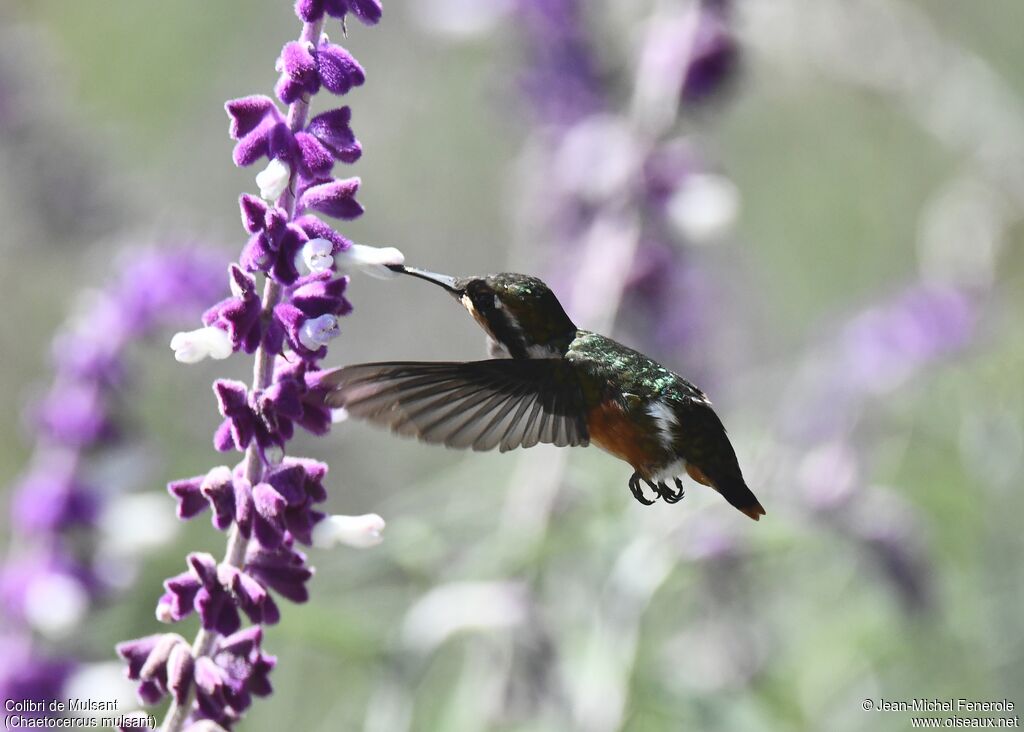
(501, 403)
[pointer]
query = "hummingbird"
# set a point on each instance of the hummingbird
(549, 382)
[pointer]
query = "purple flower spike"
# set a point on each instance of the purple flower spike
(334, 197)
(267, 502)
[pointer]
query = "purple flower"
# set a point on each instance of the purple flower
(333, 197)
(273, 242)
(47, 588)
(147, 660)
(239, 315)
(714, 52)
(305, 67)
(561, 78)
(885, 345)
(331, 131)
(259, 128)
(283, 570)
(239, 425)
(227, 680)
(53, 502)
(74, 414)
(310, 11)
(25, 674)
(215, 490)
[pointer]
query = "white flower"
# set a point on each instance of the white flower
(104, 680)
(55, 603)
(598, 158)
(194, 345)
(704, 207)
(316, 255)
(369, 260)
(273, 179)
(358, 531)
(317, 332)
(135, 523)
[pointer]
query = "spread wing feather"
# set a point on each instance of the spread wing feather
(477, 405)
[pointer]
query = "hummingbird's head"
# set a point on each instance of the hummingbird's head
(518, 311)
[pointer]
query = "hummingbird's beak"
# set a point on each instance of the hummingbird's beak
(447, 282)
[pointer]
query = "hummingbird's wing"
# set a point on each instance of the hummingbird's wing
(503, 403)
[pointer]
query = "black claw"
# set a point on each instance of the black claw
(682, 489)
(638, 494)
(667, 495)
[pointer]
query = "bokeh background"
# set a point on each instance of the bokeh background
(835, 257)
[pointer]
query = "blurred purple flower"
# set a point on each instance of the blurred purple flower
(714, 53)
(561, 77)
(48, 586)
(600, 157)
(885, 345)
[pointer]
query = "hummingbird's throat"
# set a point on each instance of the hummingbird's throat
(467, 301)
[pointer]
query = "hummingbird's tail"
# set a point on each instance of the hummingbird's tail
(733, 489)
(742, 498)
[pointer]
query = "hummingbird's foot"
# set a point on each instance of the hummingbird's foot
(667, 495)
(679, 485)
(638, 494)
(663, 491)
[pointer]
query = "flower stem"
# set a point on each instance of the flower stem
(262, 374)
